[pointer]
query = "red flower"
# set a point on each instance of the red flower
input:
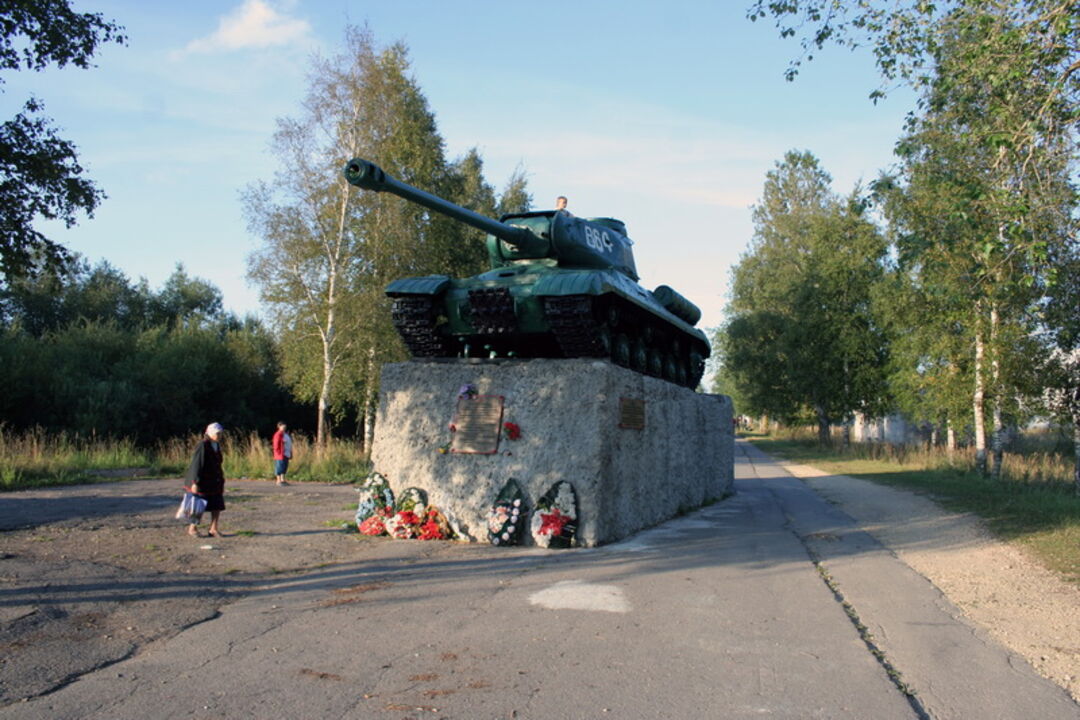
(430, 531)
(408, 517)
(513, 431)
(372, 526)
(552, 523)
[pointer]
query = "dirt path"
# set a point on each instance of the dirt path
(997, 585)
(91, 574)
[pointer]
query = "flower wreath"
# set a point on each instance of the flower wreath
(410, 513)
(507, 515)
(554, 523)
(375, 497)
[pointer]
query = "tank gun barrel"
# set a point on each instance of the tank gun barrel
(369, 176)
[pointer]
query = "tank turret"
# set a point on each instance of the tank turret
(559, 286)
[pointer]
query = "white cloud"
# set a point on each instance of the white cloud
(255, 24)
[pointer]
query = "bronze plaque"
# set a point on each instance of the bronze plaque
(632, 413)
(479, 425)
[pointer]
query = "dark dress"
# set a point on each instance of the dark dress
(205, 471)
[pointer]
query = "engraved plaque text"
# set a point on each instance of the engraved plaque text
(479, 425)
(632, 413)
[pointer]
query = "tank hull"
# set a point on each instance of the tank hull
(538, 310)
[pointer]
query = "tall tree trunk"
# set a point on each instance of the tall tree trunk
(847, 431)
(979, 398)
(997, 441)
(950, 438)
(322, 430)
(822, 425)
(1076, 453)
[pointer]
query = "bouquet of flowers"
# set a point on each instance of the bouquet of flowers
(507, 515)
(554, 523)
(375, 496)
(512, 430)
(408, 515)
(376, 524)
(436, 526)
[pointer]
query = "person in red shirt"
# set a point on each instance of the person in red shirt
(282, 452)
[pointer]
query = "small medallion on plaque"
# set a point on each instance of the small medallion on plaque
(479, 425)
(632, 413)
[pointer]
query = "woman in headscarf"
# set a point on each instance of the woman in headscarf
(206, 478)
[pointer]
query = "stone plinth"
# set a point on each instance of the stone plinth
(569, 413)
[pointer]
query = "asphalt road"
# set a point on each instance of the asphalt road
(768, 604)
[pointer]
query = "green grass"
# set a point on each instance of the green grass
(245, 533)
(39, 459)
(1034, 503)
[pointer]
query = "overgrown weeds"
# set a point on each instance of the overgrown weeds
(36, 458)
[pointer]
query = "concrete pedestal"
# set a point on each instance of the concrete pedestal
(569, 413)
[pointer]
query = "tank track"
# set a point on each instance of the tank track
(575, 328)
(414, 318)
(491, 311)
(584, 328)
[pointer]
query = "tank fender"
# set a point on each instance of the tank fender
(427, 285)
(677, 305)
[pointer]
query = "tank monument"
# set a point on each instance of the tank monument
(552, 385)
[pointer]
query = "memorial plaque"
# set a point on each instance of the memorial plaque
(632, 413)
(479, 425)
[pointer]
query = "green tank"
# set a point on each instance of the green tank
(559, 286)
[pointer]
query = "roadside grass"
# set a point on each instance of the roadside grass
(1034, 503)
(36, 458)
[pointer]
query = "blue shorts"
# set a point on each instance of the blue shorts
(281, 466)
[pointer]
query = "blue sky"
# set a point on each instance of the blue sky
(665, 115)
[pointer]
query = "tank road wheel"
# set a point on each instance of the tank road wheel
(670, 364)
(697, 369)
(655, 363)
(639, 356)
(680, 372)
(603, 341)
(613, 316)
(620, 350)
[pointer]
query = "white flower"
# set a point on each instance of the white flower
(506, 536)
(509, 528)
(517, 502)
(564, 500)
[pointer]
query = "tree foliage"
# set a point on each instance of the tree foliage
(801, 335)
(87, 351)
(329, 251)
(981, 207)
(40, 174)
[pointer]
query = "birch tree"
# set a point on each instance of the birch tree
(1062, 397)
(329, 250)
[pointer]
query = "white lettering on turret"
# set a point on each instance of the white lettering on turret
(598, 240)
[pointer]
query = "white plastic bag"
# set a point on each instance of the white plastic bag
(191, 507)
